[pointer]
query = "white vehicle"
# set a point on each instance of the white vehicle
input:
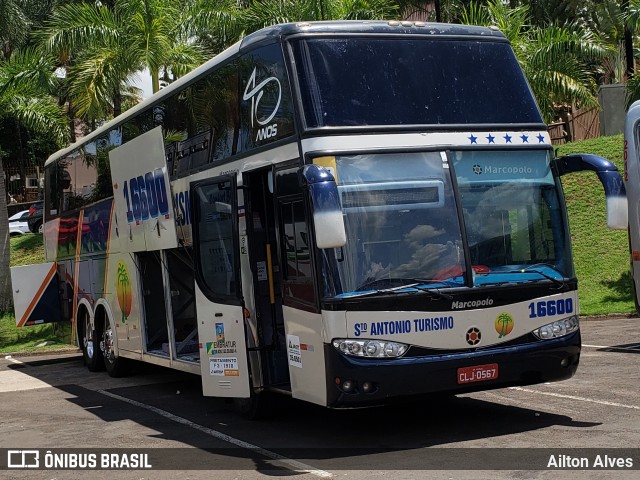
(343, 212)
(632, 185)
(18, 224)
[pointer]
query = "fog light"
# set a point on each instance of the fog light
(347, 386)
(367, 387)
(565, 362)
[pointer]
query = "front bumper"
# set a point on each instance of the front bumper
(524, 364)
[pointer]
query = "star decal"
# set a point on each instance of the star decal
(477, 169)
(525, 138)
(540, 138)
(507, 138)
(491, 138)
(473, 139)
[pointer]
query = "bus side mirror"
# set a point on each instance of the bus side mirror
(617, 210)
(325, 205)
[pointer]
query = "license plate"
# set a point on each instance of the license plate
(478, 373)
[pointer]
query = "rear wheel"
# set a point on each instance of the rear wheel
(114, 365)
(90, 348)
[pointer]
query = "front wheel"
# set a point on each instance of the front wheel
(255, 407)
(90, 350)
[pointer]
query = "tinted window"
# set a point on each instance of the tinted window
(266, 112)
(296, 252)
(216, 238)
(81, 178)
(417, 81)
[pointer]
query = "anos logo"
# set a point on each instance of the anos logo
(123, 290)
(504, 324)
(477, 169)
(255, 93)
(473, 336)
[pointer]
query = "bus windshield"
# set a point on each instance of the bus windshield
(512, 213)
(371, 81)
(403, 225)
(401, 222)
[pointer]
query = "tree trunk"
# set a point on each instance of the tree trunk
(72, 124)
(628, 43)
(21, 162)
(117, 104)
(6, 298)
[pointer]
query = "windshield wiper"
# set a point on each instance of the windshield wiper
(533, 269)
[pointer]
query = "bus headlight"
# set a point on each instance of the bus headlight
(370, 348)
(558, 328)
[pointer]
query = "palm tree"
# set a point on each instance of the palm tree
(107, 46)
(25, 82)
(263, 13)
(555, 59)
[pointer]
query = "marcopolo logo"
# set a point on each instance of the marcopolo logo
(510, 169)
(486, 302)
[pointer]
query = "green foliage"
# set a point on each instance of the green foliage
(27, 249)
(55, 337)
(555, 59)
(601, 256)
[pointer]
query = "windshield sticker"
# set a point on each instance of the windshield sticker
(294, 351)
(221, 345)
(224, 367)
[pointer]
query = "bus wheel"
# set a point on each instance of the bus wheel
(113, 364)
(255, 407)
(90, 348)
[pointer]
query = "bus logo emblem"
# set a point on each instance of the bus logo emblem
(504, 324)
(255, 95)
(473, 336)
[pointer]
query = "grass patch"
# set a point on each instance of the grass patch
(27, 249)
(601, 256)
(56, 336)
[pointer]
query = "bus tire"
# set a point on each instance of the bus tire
(113, 363)
(255, 407)
(91, 353)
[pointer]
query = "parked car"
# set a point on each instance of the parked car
(35, 218)
(18, 224)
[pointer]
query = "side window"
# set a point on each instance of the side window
(216, 239)
(266, 111)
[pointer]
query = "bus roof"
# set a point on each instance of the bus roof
(275, 32)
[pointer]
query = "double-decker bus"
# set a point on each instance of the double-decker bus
(346, 212)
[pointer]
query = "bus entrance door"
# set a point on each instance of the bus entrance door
(219, 302)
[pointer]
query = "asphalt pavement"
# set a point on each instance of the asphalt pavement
(53, 403)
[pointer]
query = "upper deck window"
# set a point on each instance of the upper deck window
(411, 81)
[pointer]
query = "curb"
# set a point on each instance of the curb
(41, 353)
(608, 316)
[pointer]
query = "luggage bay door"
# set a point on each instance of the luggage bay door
(219, 303)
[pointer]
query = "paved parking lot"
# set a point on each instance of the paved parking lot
(54, 403)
